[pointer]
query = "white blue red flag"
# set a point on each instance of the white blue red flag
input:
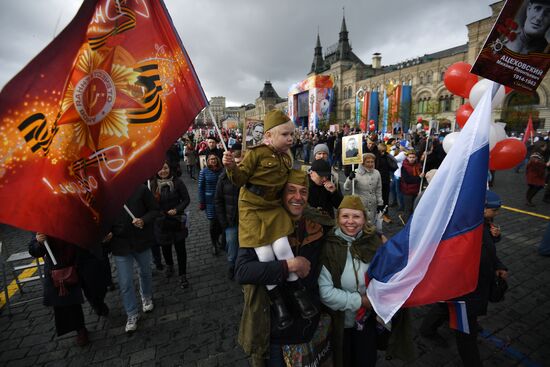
(436, 256)
(458, 318)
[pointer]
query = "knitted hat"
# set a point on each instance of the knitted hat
(274, 118)
(298, 177)
(352, 202)
(321, 167)
(492, 200)
(320, 148)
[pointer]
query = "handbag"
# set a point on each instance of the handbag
(317, 352)
(498, 289)
(64, 277)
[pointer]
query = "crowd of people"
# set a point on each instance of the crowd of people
(298, 240)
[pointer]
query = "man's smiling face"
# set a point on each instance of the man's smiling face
(295, 199)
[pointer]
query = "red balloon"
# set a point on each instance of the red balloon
(372, 127)
(463, 114)
(419, 119)
(459, 80)
(507, 154)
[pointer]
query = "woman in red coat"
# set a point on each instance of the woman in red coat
(411, 175)
(535, 171)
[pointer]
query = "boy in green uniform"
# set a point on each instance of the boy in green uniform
(263, 222)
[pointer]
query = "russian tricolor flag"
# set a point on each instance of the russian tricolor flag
(458, 319)
(436, 256)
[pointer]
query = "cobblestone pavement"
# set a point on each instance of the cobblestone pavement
(198, 326)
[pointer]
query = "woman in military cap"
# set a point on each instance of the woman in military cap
(348, 251)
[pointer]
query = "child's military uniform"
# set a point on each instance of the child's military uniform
(263, 174)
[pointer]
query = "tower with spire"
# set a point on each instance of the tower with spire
(318, 64)
(339, 53)
(344, 48)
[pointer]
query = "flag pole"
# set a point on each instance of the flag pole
(50, 254)
(425, 156)
(217, 128)
(353, 181)
(129, 212)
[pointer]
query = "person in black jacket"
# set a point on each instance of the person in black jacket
(67, 303)
(477, 301)
(306, 242)
(227, 211)
(323, 193)
(386, 165)
(170, 228)
(131, 238)
(212, 148)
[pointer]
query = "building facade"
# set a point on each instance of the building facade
(430, 98)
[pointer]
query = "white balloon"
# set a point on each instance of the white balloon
(496, 134)
(479, 89)
(449, 141)
(418, 127)
(501, 132)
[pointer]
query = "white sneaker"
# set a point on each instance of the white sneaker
(131, 323)
(147, 305)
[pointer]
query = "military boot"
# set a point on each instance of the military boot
(302, 299)
(283, 318)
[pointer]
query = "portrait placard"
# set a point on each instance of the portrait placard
(516, 52)
(254, 133)
(352, 149)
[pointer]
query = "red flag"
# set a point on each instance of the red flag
(529, 131)
(365, 112)
(91, 117)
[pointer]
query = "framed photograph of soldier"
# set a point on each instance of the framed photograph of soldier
(202, 161)
(517, 52)
(352, 149)
(254, 133)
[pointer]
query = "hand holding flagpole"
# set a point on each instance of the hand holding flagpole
(138, 222)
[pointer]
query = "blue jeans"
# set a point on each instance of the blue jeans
(125, 269)
(396, 192)
(232, 243)
(306, 155)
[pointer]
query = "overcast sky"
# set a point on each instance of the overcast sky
(237, 45)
